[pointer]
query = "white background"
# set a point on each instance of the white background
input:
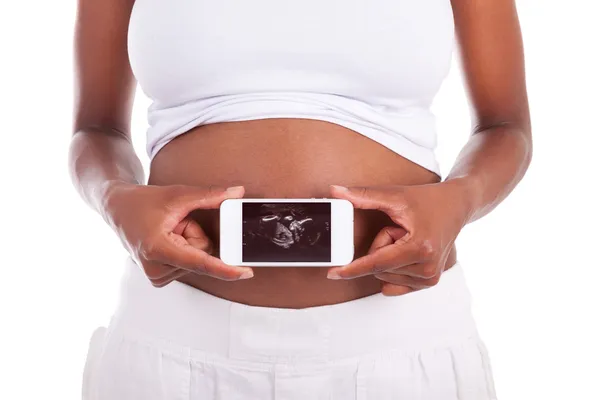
(532, 265)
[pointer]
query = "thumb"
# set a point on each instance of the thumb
(369, 198)
(207, 197)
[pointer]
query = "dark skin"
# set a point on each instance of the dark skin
(407, 219)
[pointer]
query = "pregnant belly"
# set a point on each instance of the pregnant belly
(285, 158)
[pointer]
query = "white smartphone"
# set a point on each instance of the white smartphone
(287, 232)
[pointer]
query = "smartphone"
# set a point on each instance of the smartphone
(287, 232)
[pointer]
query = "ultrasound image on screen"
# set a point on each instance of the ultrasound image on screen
(286, 232)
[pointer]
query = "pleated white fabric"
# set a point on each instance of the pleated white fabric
(180, 343)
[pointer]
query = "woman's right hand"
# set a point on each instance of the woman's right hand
(154, 225)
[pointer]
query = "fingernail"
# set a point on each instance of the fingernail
(234, 189)
(341, 188)
(333, 275)
(247, 274)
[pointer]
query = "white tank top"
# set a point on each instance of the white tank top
(373, 66)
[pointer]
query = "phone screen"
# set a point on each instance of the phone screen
(286, 232)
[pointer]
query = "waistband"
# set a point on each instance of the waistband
(186, 318)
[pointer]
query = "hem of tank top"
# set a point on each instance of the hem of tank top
(417, 155)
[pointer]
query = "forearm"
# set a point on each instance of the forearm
(98, 158)
(490, 165)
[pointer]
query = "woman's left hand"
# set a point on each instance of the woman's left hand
(412, 255)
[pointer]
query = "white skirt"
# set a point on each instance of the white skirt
(179, 343)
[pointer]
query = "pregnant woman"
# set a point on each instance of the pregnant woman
(293, 99)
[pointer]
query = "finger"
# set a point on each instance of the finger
(388, 257)
(203, 244)
(192, 259)
(192, 198)
(370, 198)
(386, 236)
(397, 285)
(194, 235)
(421, 270)
(157, 271)
(410, 281)
(388, 289)
(178, 273)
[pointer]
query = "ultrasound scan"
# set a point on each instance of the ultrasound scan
(286, 232)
